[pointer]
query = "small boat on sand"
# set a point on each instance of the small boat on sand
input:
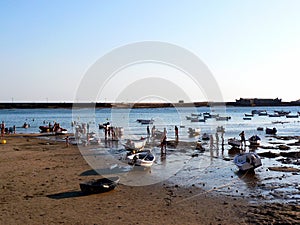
(254, 140)
(144, 158)
(136, 145)
(234, 142)
(247, 161)
(99, 185)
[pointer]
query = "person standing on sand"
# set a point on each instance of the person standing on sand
(211, 141)
(176, 133)
(153, 131)
(148, 131)
(2, 129)
(243, 139)
(163, 143)
(67, 141)
(217, 140)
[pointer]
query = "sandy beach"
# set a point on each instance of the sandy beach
(40, 185)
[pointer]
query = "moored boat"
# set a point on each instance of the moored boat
(145, 121)
(135, 145)
(254, 140)
(247, 161)
(234, 142)
(271, 130)
(282, 112)
(292, 116)
(143, 158)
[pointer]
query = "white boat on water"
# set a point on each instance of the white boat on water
(247, 161)
(143, 158)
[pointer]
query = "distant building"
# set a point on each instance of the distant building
(257, 102)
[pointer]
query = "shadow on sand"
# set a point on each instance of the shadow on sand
(68, 194)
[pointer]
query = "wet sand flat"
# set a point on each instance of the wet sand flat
(40, 185)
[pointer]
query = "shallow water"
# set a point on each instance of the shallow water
(212, 170)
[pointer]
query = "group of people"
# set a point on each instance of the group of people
(6, 130)
(163, 137)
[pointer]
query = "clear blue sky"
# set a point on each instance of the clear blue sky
(252, 47)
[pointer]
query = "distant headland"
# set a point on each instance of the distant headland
(239, 102)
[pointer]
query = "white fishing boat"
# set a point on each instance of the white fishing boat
(247, 161)
(143, 158)
(135, 144)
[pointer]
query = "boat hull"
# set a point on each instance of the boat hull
(99, 186)
(145, 159)
(247, 161)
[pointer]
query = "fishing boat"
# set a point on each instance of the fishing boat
(143, 158)
(292, 116)
(271, 130)
(99, 185)
(254, 140)
(144, 121)
(198, 120)
(54, 129)
(223, 118)
(135, 145)
(282, 112)
(234, 142)
(263, 113)
(247, 161)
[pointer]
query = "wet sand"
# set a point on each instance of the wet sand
(40, 185)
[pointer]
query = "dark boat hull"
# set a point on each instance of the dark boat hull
(99, 186)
